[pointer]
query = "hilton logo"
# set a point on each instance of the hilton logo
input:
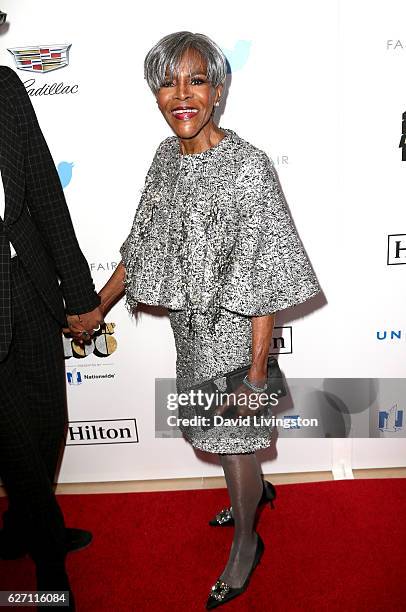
(120, 431)
(396, 249)
(390, 420)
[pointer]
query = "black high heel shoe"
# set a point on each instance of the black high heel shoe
(225, 517)
(221, 592)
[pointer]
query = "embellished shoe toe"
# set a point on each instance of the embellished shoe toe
(221, 592)
(218, 594)
(223, 518)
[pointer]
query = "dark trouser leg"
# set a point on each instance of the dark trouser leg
(32, 418)
(244, 484)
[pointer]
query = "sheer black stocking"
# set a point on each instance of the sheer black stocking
(244, 484)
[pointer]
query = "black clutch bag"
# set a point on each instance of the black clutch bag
(228, 383)
(276, 383)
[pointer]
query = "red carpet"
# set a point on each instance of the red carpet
(336, 546)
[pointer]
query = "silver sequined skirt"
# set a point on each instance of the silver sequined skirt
(208, 354)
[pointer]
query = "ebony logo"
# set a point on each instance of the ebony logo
(102, 344)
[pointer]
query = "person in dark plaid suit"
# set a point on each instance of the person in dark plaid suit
(45, 284)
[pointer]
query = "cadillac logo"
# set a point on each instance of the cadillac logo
(41, 59)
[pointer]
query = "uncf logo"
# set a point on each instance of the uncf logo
(102, 344)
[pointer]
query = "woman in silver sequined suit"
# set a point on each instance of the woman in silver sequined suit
(213, 242)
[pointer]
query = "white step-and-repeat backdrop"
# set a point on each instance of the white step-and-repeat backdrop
(317, 86)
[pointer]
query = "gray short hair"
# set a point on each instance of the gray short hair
(166, 54)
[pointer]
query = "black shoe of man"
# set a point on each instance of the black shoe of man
(13, 548)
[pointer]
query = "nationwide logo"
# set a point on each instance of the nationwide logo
(42, 58)
(390, 420)
(119, 431)
(74, 377)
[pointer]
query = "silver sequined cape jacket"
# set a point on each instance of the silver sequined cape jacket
(213, 230)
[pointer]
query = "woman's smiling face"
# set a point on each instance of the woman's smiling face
(187, 100)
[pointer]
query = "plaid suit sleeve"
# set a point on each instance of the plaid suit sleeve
(48, 208)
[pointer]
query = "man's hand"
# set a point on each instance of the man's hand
(83, 326)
